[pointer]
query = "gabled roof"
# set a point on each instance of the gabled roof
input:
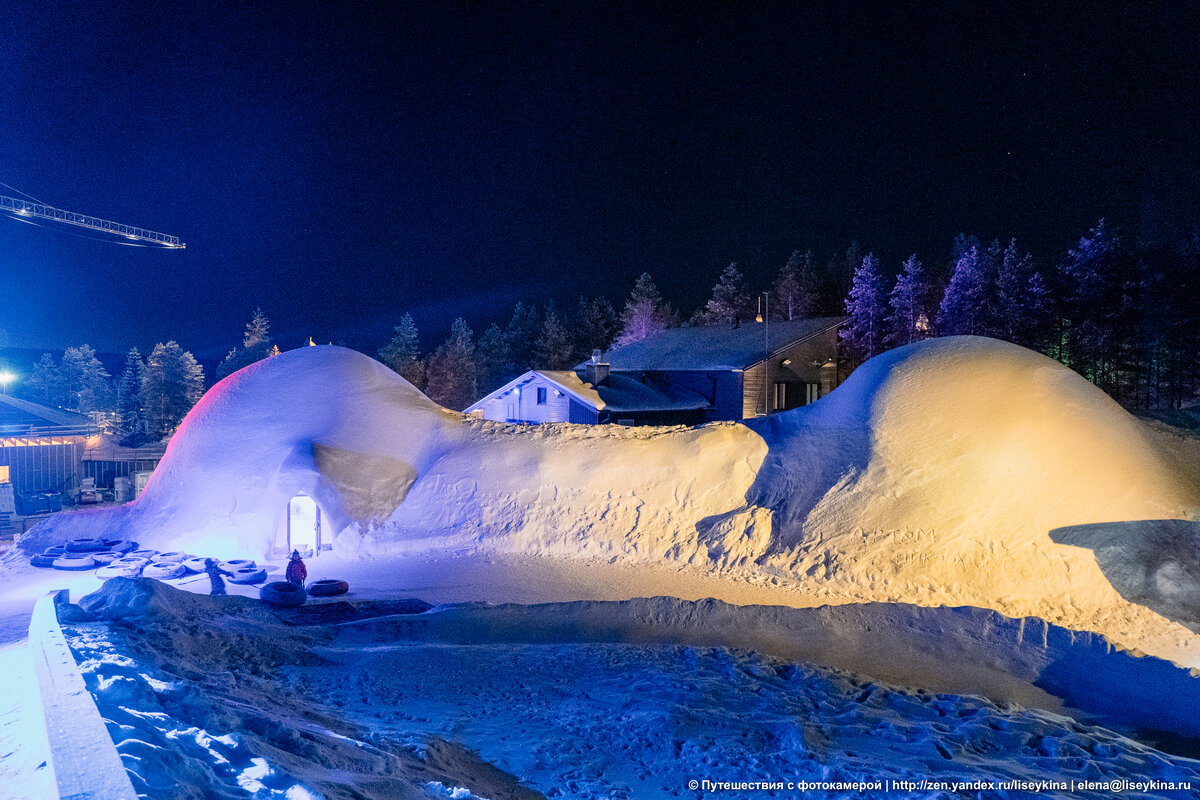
(620, 393)
(17, 414)
(715, 347)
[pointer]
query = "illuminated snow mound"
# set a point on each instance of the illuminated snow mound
(956, 471)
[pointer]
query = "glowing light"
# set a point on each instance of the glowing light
(6, 378)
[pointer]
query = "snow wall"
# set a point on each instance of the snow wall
(956, 471)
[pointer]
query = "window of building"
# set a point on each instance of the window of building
(541, 396)
(811, 392)
(780, 397)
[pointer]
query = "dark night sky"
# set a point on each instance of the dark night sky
(343, 164)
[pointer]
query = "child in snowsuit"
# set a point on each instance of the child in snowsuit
(214, 576)
(296, 572)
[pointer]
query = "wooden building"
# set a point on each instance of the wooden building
(42, 447)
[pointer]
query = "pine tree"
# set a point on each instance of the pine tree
(494, 360)
(45, 384)
(1092, 284)
(730, 302)
(963, 310)
(523, 328)
(85, 381)
(402, 353)
(553, 348)
(452, 378)
(594, 327)
(645, 312)
(909, 318)
(867, 308)
(795, 295)
(256, 345)
(839, 276)
(129, 395)
(172, 382)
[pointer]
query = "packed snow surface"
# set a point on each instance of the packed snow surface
(220, 697)
(958, 471)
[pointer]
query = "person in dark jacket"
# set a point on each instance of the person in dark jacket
(296, 572)
(214, 576)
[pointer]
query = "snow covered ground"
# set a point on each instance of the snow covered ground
(213, 697)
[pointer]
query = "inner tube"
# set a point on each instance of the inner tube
(163, 570)
(283, 594)
(45, 561)
(194, 564)
(129, 561)
(105, 557)
(174, 555)
(118, 570)
(327, 587)
(234, 564)
(55, 551)
(74, 561)
(120, 545)
(248, 575)
(86, 546)
(147, 554)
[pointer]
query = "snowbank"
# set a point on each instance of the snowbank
(935, 475)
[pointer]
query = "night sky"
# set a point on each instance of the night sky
(343, 164)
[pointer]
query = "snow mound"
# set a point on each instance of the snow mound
(935, 475)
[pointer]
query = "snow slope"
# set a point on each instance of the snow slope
(612, 700)
(956, 471)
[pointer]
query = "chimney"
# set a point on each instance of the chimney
(596, 371)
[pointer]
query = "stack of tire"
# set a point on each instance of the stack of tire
(81, 554)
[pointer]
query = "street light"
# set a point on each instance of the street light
(6, 377)
(764, 316)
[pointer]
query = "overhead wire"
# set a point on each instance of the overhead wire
(18, 191)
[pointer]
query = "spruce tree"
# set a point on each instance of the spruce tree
(172, 382)
(867, 307)
(256, 345)
(730, 302)
(553, 348)
(129, 395)
(645, 312)
(523, 328)
(594, 327)
(45, 383)
(85, 381)
(909, 318)
(963, 310)
(452, 379)
(794, 294)
(494, 360)
(402, 353)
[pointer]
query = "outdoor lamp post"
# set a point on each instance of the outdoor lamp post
(6, 378)
(764, 316)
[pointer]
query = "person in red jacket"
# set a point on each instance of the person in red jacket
(296, 573)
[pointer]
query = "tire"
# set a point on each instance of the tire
(328, 587)
(120, 545)
(174, 555)
(104, 558)
(194, 564)
(44, 561)
(55, 551)
(283, 594)
(163, 570)
(75, 561)
(133, 563)
(86, 546)
(146, 554)
(234, 564)
(248, 575)
(116, 570)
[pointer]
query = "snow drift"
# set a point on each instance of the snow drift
(935, 475)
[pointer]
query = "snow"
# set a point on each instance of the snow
(955, 471)
(612, 700)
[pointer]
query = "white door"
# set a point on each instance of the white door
(304, 526)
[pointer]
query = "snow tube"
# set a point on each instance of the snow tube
(282, 593)
(86, 546)
(327, 587)
(234, 564)
(194, 564)
(163, 570)
(73, 561)
(248, 575)
(118, 570)
(131, 562)
(173, 555)
(55, 551)
(146, 554)
(105, 557)
(120, 545)
(45, 560)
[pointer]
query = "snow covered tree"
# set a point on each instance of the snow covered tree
(172, 382)
(85, 381)
(645, 312)
(45, 383)
(553, 348)
(256, 345)
(867, 308)
(730, 302)
(794, 294)
(839, 276)
(1092, 286)
(452, 380)
(494, 360)
(909, 300)
(965, 307)
(402, 353)
(129, 395)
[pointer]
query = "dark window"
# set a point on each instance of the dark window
(541, 396)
